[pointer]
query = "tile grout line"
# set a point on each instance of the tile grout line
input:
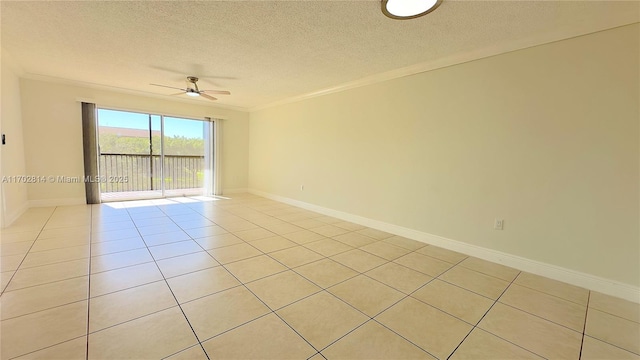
(47, 347)
(167, 283)
(351, 231)
(617, 316)
(50, 308)
(485, 314)
(409, 295)
(124, 267)
(525, 311)
(540, 317)
(57, 262)
(272, 311)
(357, 274)
(133, 319)
(318, 353)
(552, 295)
(497, 300)
(247, 288)
(614, 345)
(584, 327)
(190, 272)
(27, 253)
(371, 318)
(54, 263)
(89, 283)
(547, 294)
(238, 212)
(51, 282)
(323, 289)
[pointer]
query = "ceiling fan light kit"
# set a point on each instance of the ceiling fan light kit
(195, 91)
(408, 9)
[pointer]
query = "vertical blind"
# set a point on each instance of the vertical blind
(90, 146)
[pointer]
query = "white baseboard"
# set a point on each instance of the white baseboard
(14, 215)
(57, 202)
(588, 281)
(234, 191)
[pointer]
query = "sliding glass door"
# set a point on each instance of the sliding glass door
(151, 156)
(184, 156)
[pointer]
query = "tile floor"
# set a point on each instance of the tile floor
(251, 278)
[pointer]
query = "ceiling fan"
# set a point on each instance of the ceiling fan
(194, 91)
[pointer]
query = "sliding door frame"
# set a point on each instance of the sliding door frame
(211, 184)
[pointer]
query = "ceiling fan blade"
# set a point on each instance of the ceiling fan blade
(219, 92)
(207, 96)
(170, 87)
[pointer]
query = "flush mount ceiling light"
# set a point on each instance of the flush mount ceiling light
(408, 9)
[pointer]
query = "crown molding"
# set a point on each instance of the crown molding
(57, 80)
(444, 62)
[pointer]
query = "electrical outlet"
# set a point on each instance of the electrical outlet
(498, 224)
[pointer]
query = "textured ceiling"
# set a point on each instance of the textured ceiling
(268, 51)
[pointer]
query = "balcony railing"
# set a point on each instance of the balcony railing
(142, 172)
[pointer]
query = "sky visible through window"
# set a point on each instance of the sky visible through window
(172, 126)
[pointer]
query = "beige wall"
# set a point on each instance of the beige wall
(545, 138)
(53, 133)
(14, 195)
